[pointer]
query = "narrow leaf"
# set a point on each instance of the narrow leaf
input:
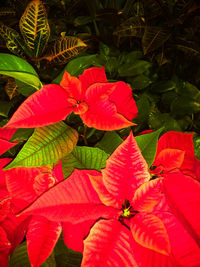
(34, 27)
(84, 158)
(46, 145)
(153, 38)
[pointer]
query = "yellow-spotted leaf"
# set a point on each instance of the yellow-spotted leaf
(64, 49)
(34, 27)
(13, 40)
(46, 145)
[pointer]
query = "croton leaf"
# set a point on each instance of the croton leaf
(108, 244)
(34, 27)
(46, 145)
(83, 157)
(41, 237)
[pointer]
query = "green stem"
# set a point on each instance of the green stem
(85, 135)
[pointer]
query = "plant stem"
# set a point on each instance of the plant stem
(85, 135)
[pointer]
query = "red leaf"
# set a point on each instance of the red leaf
(103, 115)
(108, 244)
(123, 98)
(4, 209)
(103, 193)
(46, 106)
(74, 234)
(72, 86)
(183, 196)
(5, 244)
(41, 237)
(72, 199)
(149, 231)
(170, 159)
(91, 76)
(147, 195)
(6, 134)
(125, 171)
(20, 185)
(5, 145)
(181, 141)
(185, 250)
(99, 91)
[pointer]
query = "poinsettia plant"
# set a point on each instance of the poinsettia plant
(115, 202)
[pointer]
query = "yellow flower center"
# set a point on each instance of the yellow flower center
(126, 212)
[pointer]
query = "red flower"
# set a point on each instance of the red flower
(103, 105)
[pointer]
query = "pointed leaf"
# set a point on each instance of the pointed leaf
(148, 145)
(5, 145)
(34, 27)
(183, 196)
(72, 199)
(64, 49)
(19, 69)
(109, 142)
(126, 170)
(83, 157)
(149, 231)
(41, 237)
(46, 145)
(108, 244)
(147, 195)
(47, 106)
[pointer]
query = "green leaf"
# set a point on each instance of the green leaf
(140, 82)
(25, 89)
(148, 145)
(66, 257)
(21, 134)
(183, 105)
(5, 108)
(158, 120)
(83, 157)
(134, 69)
(109, 142)
(163, 86)
(77, 65)
(46, 145)
(19, 69)
(20, 257)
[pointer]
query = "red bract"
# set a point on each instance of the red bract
(122, 207)
(103, 105)
(24, 186)
(175, 151)
(5, 136)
